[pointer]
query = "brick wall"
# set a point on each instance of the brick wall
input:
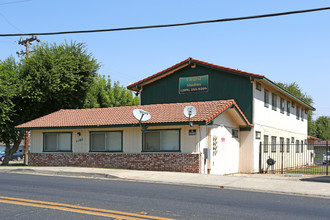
(145, 161)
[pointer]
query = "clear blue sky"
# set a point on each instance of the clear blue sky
(294, 48)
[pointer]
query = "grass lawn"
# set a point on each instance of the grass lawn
(320, 169)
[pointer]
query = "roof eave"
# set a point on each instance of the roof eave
(108, 126)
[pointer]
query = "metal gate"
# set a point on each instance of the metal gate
(295, 158)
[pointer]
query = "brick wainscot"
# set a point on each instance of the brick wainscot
(189, 163)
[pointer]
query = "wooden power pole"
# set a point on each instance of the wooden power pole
(26, 43)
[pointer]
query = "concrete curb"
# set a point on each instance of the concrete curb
(61, 173)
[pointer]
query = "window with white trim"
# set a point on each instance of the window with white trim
(265, 143)
(258, 86)
(297, 146)
(106, 141)
(288, 145)
(282, 105)
(281, 144)
(298, 113)
(57, 141)
(274, 101)
(161, 140)
(273, 144)
(288, 108)
(266, 98)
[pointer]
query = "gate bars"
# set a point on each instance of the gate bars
(295, 158)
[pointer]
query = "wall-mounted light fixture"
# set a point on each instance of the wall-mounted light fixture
(78, 133)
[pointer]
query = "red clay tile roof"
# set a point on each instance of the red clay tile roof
(184, 63)
(313, 138)
(160, 113)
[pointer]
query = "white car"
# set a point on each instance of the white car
(326, 158)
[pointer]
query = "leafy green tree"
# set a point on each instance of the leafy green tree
(57, 77)
(323, 127)
(105, 94)
(296, 90)
(9, 94)
(53, 77)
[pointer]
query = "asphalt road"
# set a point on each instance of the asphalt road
(162, 200)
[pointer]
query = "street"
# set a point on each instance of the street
(91, 196)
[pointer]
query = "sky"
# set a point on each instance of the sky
(292, 48)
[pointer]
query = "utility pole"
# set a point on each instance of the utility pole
(26, 43)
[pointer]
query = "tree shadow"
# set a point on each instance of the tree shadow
(320, 179)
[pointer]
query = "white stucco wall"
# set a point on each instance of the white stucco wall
(132, 139)
(274, 123)
(224, 149)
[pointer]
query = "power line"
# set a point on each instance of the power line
(8, 3)
(172, 25)
(11, 24)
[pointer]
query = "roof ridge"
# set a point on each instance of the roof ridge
(190, 59)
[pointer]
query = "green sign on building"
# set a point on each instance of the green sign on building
(193, 84)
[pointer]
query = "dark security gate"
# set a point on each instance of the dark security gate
(298, 157)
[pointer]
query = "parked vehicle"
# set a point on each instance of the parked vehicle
(326, 158)
(2, 155)
(16, 156)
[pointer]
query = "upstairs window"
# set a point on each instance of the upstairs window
(302, 115)
(282, 105)
(274, 101)
(298, 113)
(266, 98)
(258, 86)
(57, 141)
(288, 108)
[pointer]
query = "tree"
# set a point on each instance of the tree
(56, 77)
(53, 77)
(9, 93)
(105, 94)
(323, 127)
(296, 90)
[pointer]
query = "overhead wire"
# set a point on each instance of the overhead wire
(170, 25)
(14, 2)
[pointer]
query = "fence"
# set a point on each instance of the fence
(299, 157)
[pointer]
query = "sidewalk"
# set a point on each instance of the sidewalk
(298, 185)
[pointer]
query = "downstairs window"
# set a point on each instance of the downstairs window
(57, 141)
(161, 140)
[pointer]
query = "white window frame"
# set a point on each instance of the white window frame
(274, 101)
